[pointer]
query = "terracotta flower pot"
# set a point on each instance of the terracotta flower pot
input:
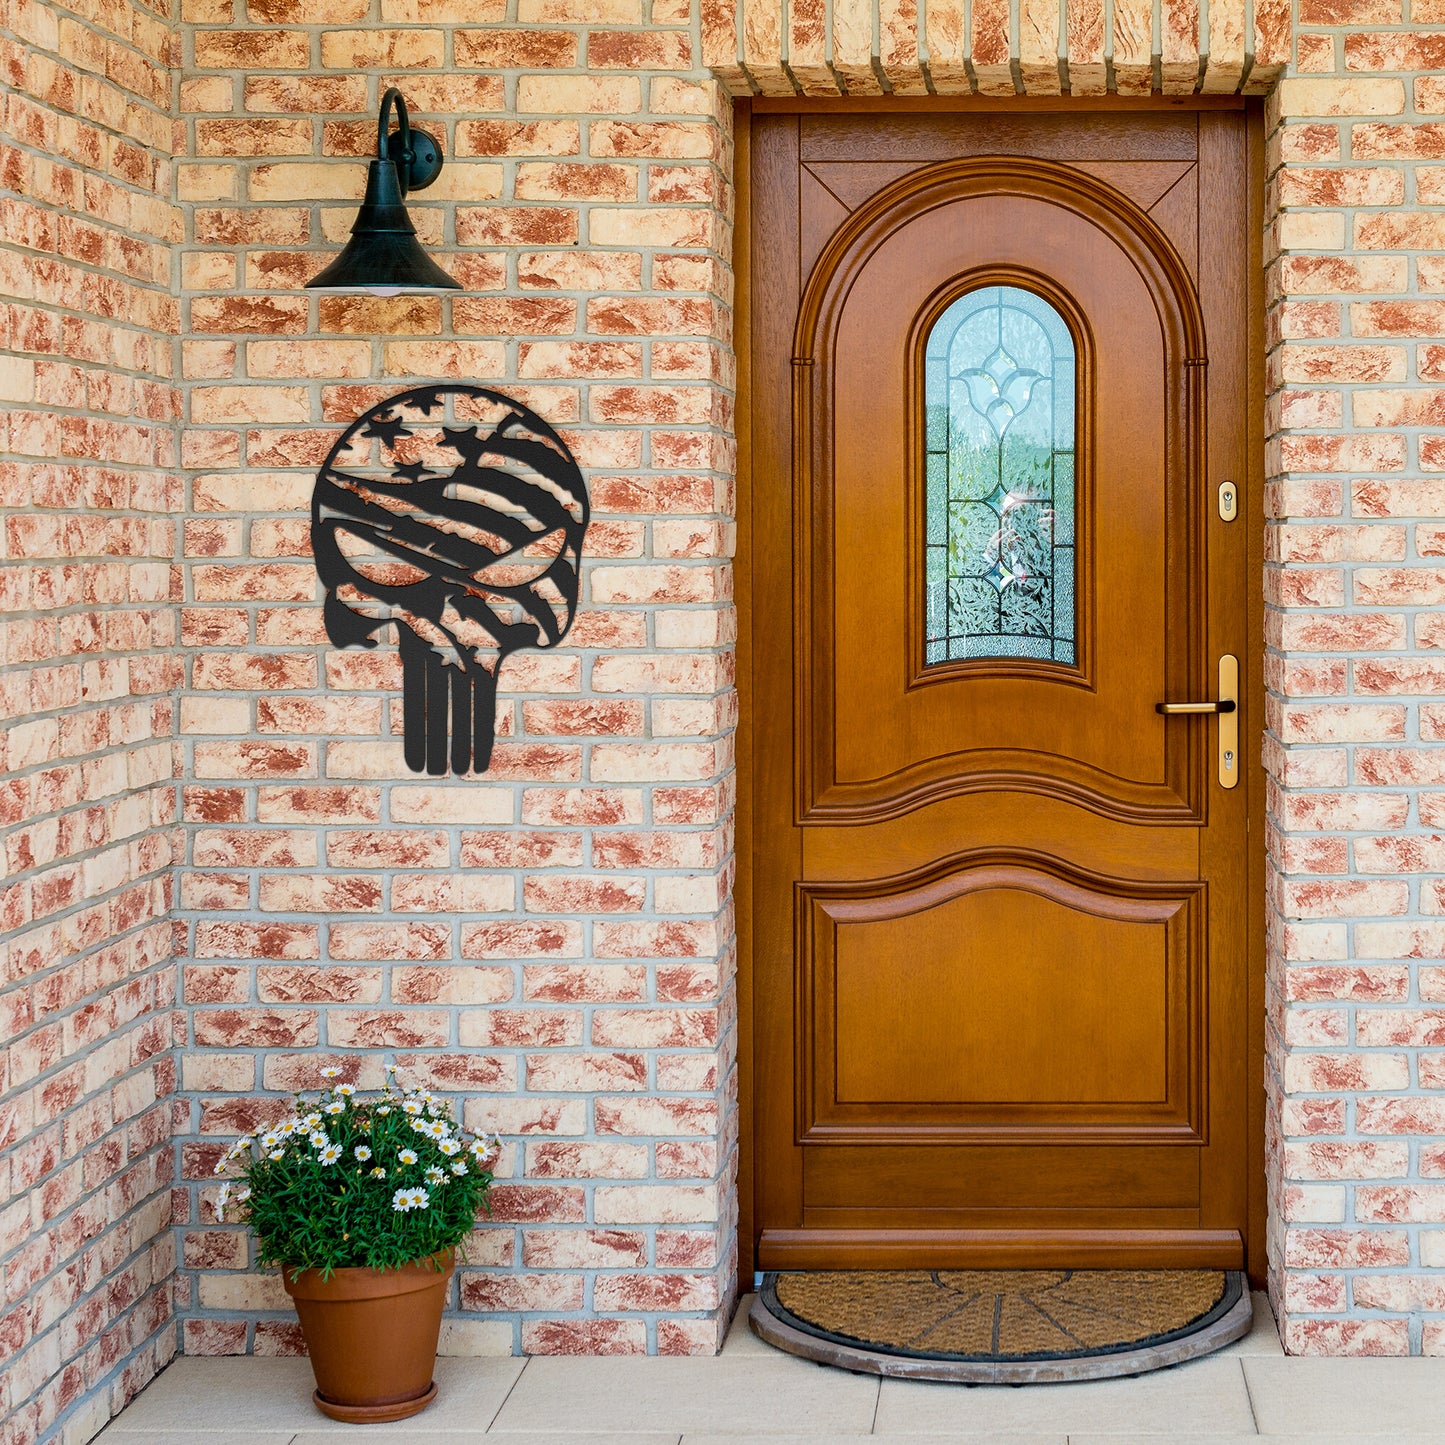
(372, 1336)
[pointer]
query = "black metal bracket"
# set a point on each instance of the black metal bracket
(417, 157)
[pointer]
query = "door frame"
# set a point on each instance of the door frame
(1253, 517)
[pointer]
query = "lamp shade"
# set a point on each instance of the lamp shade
(383, 255)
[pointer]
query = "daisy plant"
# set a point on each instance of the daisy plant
(350, 1180)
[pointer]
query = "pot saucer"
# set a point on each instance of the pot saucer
(375, 1414)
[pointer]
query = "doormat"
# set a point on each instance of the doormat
(1002, 1326)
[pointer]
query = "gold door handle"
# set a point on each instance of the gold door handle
(1176, 709)
(1227, 709)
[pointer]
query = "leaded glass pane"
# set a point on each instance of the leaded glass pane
(999, 379)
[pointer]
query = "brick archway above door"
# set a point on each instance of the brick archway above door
(996, 47)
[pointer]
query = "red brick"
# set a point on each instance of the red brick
(256, 1028)
(584, 1337)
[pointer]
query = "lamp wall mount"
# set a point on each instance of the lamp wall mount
(417, 157)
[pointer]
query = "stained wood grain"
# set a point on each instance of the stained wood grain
(1000, 910)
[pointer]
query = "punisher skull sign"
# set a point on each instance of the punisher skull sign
(454, 515)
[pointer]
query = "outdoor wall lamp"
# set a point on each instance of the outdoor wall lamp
(383, 255)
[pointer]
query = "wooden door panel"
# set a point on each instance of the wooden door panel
(820, 212)
(1133, 136)
(1144, 182)
(1177, 214)
(979, 1029)
(989, 1178)
(1025, 1002)
(830, 189)
(893, 745)
(999, 901)
(988, 819)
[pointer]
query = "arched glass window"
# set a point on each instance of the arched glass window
(999, 518)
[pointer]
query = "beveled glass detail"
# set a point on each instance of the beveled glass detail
(999, 393)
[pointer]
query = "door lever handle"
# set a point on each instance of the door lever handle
(1174, 709)
(1228, 704)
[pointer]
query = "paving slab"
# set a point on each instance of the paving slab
(1351, 1397)
(1263, 1337)
(776, 1395)
(117, 1436)
(711, 1439)
(212, 1396)
(399, 1434)
(1203, 1397)
(1131, 1439)
(740, 1337)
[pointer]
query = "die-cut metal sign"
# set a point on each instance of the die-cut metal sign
(456, 516)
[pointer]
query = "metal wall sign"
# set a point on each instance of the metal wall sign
(456, 515)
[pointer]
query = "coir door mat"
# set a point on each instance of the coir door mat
(1003, 1326)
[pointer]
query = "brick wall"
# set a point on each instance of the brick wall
(1356, 1071)
(88, 500)
(554, 205)
(551, 944)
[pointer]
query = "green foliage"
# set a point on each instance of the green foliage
(378, 1181)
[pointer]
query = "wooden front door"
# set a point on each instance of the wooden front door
(1001, 904)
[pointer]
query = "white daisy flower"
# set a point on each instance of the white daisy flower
(335, 1107)
(435, 1175)
(420, 1198)
(331, 1073)
(311, 1120)
(270, 1139)
(331, 1154)
(221, 1200)
(450, 1146)
(413, 1106)
(319, 1139)
(277, 1154)
(392, 1068)
(401, 1201)
(459, 1167)
(407, 1156)
(384, 1110)
(420, 1125)
(437, 1129)
(378, 1172)
(289, 1127)
(242, 1195)
(345, 1090)
(220, 1165)
(362, 1152)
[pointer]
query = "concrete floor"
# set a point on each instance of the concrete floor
(1244, 1392)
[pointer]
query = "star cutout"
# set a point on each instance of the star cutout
(467, 442)
(386, 428)
(426, 399)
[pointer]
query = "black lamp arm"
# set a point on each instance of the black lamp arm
(393, 97)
